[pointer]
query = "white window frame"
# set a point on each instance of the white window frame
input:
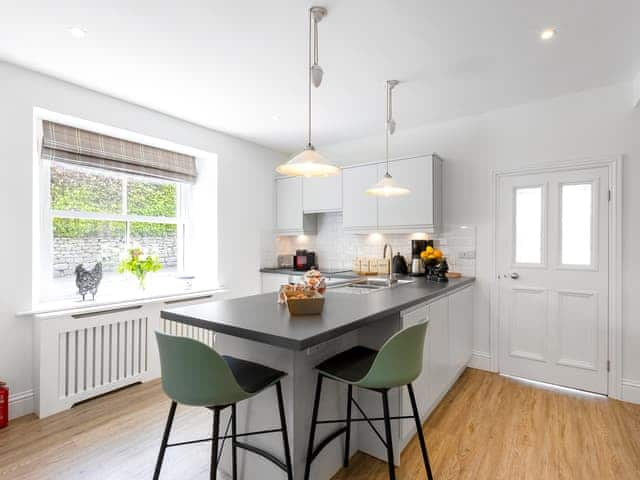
(182, 220)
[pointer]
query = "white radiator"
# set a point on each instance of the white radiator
(78, 357)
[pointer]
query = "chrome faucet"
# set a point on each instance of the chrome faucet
(391, 277)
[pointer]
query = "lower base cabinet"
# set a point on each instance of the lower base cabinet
(271, 282)
(448, 346)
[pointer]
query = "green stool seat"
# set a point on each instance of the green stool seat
(397, 364)
(349, 366)
(252, 377)
(195, 374)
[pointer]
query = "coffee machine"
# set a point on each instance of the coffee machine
(417, 247)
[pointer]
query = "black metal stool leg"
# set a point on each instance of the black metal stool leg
(347, 440)
(389, 435)
(234, 451)
(312, 432)
(214, 443)
(423, 445)
(285, 433)
(165, 440)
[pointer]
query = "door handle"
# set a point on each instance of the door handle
(514, 275)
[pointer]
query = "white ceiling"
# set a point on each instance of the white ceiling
(234, 65)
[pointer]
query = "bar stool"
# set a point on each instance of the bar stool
(194, 374)
(397, 364)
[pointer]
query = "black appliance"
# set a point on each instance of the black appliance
(399, 265)
(304, 260)
(419, 246)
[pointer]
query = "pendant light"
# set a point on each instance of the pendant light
(310, 163)
(388, 187)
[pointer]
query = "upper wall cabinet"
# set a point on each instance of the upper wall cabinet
(421, 211)
(359, 210)
(290, 217)
(322, 194)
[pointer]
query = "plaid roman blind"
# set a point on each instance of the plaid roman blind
(81, 147)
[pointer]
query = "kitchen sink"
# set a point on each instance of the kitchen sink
(367, 285)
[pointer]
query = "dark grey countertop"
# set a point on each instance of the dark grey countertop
(261, 318)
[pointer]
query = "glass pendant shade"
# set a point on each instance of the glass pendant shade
(387, 187)
(308, 163)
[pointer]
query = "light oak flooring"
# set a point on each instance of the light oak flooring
(487, 427)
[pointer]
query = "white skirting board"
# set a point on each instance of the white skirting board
(481, 361)
(631, 390)
(20, 404)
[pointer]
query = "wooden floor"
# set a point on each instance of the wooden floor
(488, 427)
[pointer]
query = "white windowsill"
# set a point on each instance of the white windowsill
(74, 307)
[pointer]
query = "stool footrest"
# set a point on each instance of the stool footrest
(263, 453)
(379, 419)
(327, 441)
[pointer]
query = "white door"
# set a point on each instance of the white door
(553, 267)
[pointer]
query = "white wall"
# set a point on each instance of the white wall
(587, 124)
(245, 200)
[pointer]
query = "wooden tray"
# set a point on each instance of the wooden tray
(306, 306)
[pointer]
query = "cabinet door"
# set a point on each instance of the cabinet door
(359, 210)
(461, 322)
(417, 209)
(437, 355)
(421, 384)
(289, 204)
(322, 194)
(271, 282)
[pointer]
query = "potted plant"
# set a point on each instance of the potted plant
(135, 264)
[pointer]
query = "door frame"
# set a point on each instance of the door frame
(614, 165)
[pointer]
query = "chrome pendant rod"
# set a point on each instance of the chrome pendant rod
(386, 129)
(309, 145)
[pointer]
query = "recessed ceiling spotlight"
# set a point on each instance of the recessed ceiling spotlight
(77, 32)
(548, 34)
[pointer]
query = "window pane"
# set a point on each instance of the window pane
(528, 225)
(84, 190)
(78, 241)
(157, 239)
(576, 224)
(151, 199)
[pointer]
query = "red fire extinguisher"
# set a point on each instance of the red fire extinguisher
(4, 404)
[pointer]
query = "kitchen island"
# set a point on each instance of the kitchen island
(259, 329)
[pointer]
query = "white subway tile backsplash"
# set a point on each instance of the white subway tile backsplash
(336, 248)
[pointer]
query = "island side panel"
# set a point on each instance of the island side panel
(333, 406)
(259, 412)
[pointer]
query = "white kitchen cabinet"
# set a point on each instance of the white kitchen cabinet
(322, 194)
(461, 324)
(438, 356)
(420, 385)
(421, 209)
(359, 210)
(447, 351)
(271, 282)
(290, 217)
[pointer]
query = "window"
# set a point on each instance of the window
(92, 214)
(577, 205)
(528, 225)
